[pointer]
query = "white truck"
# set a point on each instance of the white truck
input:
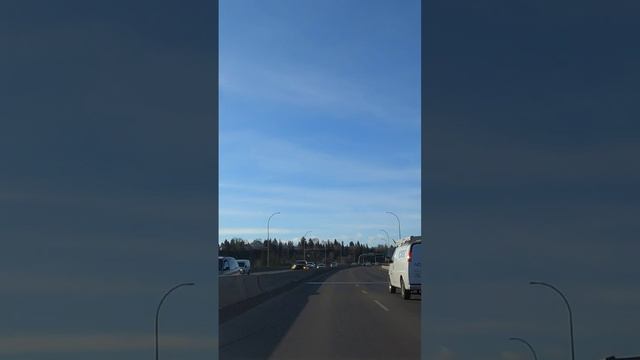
(405, 267)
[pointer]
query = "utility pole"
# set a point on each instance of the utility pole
(325, 252)
(304, 247)
(268, 238)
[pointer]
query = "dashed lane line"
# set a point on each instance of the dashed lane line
(382, 306)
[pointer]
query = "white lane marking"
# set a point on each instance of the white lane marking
(382, 306)
(364, 292)
(356, 283)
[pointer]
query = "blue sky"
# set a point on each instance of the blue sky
(319, 119)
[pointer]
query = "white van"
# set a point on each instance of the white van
(228, 266)
(405, 267)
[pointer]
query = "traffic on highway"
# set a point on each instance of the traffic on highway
(318, 310)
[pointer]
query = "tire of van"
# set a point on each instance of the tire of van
(392, 289)
(406, 294)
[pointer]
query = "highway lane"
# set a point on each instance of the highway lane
(347, 314)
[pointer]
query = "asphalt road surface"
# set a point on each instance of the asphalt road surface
(346, 314)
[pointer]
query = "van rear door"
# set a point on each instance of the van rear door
(415, 266)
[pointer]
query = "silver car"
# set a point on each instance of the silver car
(245, 266)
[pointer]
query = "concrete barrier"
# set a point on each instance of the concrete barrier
(232, 289)
(235, 289)
(251, 286)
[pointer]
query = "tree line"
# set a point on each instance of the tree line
(284, 253)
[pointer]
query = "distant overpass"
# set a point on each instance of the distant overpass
(371, 257)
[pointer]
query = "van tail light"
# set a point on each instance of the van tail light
(410, 254)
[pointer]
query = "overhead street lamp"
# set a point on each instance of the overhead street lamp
(568, 308)
(386, 255)
(397, 218)
(535, 357)
(160, 304)
(268, 238)
(325, 252)
(385, 231)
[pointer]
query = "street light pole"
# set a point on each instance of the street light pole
(535, 357)
(304, 248)
(325, 252)
(268, 238)
(158, 309)
(385, 231)
(397, 218)
(568, 308)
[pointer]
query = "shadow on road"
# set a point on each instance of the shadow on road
(269, 321)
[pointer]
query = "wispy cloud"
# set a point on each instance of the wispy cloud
(279, 156)
(316, 88)
(338, 200)
(327, 211)
(253, 231)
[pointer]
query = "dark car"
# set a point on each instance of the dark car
(299, 265)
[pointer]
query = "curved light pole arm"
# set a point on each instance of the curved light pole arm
(397, 218)
(385, 231)
(535, 357)
(160, 304)
(268, 237)
(568, 308)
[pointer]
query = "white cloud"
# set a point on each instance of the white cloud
(239, 212)
(318, 89)
(403, 200)
(252, 231)
(278, 156)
